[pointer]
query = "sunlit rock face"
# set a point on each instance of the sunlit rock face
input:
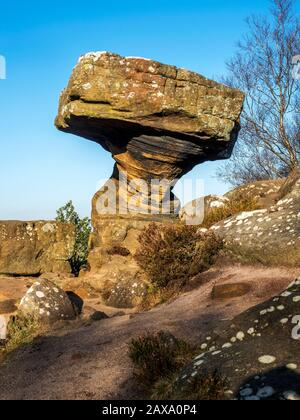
(34, 248)
(157, 121)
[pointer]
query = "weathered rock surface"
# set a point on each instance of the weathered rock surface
(266, 193)
(263, 193)
(47, 302)
(113, 268)
(230, 290)
(158, 121)
(258, 351)
(194, 212)
(32, 248)
(271, 235)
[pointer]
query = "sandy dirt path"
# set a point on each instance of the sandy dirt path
(90, 361)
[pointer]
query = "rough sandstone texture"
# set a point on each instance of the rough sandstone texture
(271, 235)
(257, 351)
(33, 248)
(158, 121)
(113, 269)
(264, 193)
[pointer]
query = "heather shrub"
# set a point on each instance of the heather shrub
(172, 254)
(155, 356)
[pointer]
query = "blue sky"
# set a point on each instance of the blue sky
(42, 168)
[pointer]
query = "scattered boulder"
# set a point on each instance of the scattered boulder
(257, 352)
(32, 248)
(126, 293)
(47, 302)
(230, 291)
(270, 236)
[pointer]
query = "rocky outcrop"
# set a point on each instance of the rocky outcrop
(257, 352)
(157, 121)
(33, 248)
(261, 193)
(47, 303)
(271, 235)
(266, 193)
(113, 268)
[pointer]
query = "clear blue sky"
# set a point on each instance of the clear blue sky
(41, 168)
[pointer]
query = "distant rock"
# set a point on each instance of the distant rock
(46, 302)
(33, 248)
(266, 193)
(194, 212)
(257, 352)
(270, 236)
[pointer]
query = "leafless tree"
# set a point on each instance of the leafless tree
(269, 142)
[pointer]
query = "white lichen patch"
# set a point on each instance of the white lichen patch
(267, 359)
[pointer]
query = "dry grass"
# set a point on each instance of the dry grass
(156, 296)
(21, 331)
(205, 387)
(237, 203)
(155, 356)
(157, 362)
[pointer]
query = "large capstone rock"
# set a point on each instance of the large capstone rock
(157, 121)
(46, 302)
(270, 236)
(32, 248)
(257, 352)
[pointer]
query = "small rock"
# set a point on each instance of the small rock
(98, 316)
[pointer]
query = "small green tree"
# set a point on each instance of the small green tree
(68, 214)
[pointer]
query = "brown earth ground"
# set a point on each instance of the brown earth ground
(88, 360)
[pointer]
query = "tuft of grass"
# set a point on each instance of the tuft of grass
(21, 331)
(171, 255)
(156, 356)
(157, 296)
(158, 360)
(237, 203)
(204, 387)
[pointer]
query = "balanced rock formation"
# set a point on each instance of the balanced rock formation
(157, 121)
(47, 302)
(33, 248)
(257, 352)
(270, 236)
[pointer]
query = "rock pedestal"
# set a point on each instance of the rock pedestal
(158, 122)
(114, 270)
